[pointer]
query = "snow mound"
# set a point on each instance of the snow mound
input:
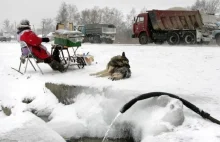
(27, 127)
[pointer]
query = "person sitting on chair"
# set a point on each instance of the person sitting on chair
(33, 42)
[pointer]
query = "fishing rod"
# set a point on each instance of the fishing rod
(191, 106)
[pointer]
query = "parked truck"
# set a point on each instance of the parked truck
(5, 36)
(173, 26)
(211, 22)
(98, 33)
(216, 33)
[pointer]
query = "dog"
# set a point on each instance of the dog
(117, 68)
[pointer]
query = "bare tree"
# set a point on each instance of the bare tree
(112, 16)
(107, 15)
(73, 14)
(85, 17)
(7, 26)
(118, 20)
(130, 18)
(91, 16)
(47, 26)
(211, 6)
(96, 14)
(199, 5)
(62, 16)
(144, 9)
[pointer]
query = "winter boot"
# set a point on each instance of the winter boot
(57, 66)
(56, 54)
(22, 58)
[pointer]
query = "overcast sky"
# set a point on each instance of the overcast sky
(35, 10)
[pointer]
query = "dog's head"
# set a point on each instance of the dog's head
(119, 61)
(125, 60)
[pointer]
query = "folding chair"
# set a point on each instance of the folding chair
(28, 56)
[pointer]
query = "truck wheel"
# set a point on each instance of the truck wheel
(143, 39)
(218, 39)
(109, 41)
(91, 39)
(189, 38)
(97, 39)
(173, 38)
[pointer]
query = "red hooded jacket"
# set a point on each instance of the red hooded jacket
(34, 43)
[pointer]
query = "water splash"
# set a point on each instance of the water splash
(111, 126)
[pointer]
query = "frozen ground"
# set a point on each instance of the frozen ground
(190, 72)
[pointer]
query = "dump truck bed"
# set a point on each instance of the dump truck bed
(175, 20)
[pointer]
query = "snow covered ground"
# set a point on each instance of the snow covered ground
(192, 73)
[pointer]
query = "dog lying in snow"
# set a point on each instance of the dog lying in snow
(117, 68)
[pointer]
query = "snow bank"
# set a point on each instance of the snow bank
(27, 127)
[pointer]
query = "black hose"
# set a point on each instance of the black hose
(202, 113)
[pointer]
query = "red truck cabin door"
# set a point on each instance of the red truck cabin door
(139, 25)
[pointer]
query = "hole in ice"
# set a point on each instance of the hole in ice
(88, 112)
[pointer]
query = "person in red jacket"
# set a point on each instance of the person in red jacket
(33, 42)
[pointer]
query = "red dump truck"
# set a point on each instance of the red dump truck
(173, 26)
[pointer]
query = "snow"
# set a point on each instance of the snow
(189, 72)
(27, 127)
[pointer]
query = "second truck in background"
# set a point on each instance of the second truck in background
(98, 33)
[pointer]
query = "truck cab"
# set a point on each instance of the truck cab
(80, 28)
(216, 33)
(140, 28)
